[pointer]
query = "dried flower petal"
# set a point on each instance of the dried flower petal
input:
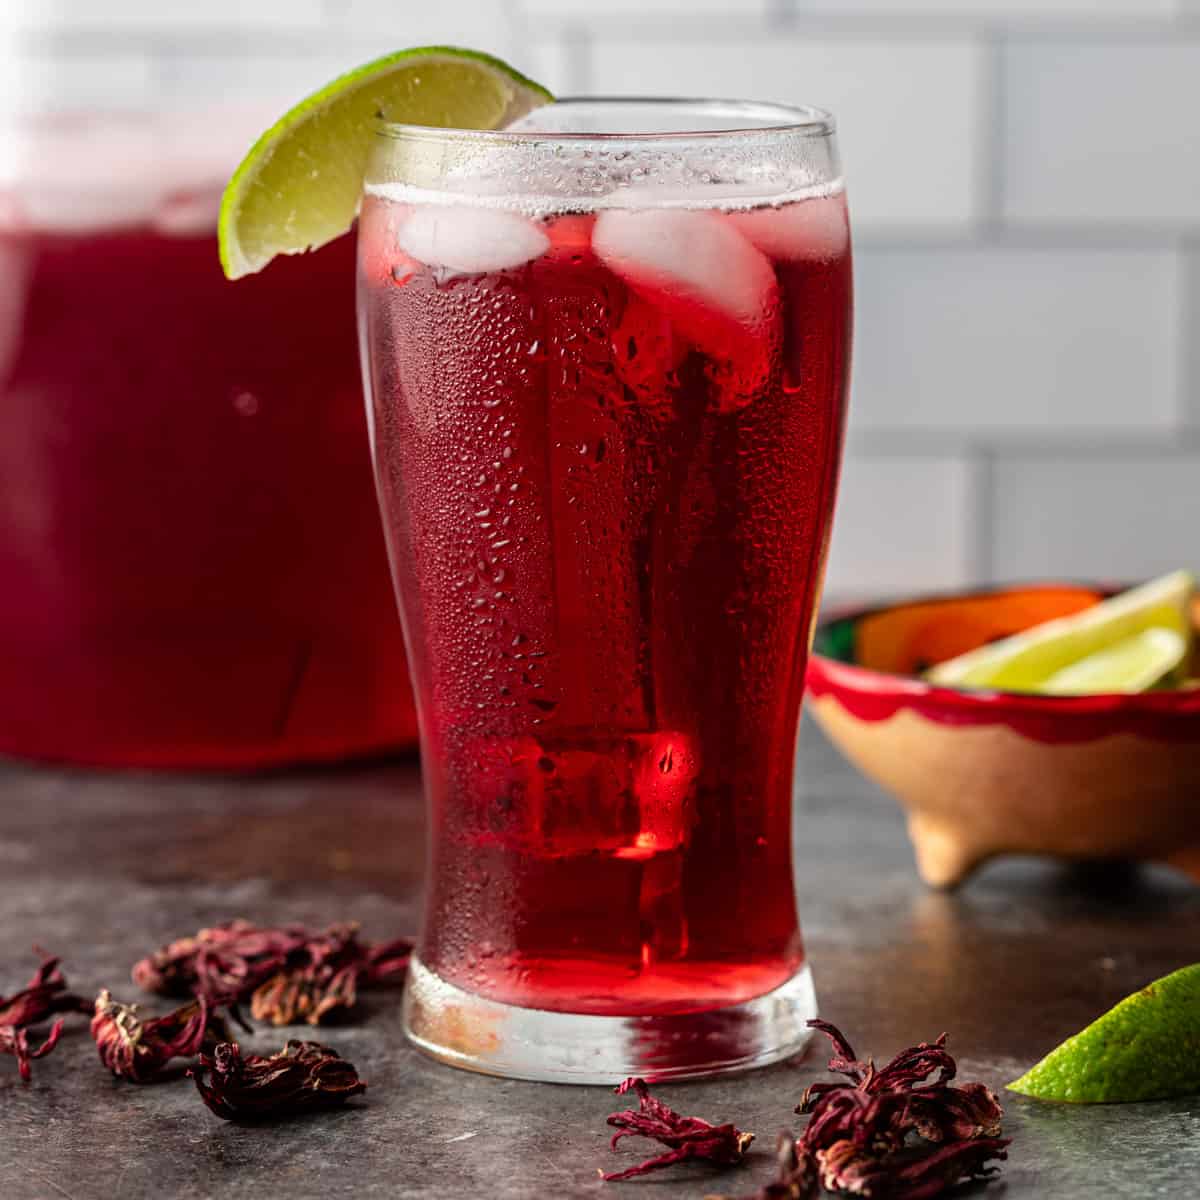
(305, 994)
(907, 1068)
(685, 1137)
(845, 1167)
(289, 974)
(386, 962)
(43, 996)
(940, 1168)
(303, 1076)
(139, 1050)
(858, 1132)
(222, 964)
(955, 1113)
(795, 1174)
(15, 1041)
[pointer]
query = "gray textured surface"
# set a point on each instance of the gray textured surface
(101, 868)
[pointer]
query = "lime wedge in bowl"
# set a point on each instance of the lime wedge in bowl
(299, 185)
(1135, 664)
(1027, 661)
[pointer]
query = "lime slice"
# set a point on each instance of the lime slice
(299, 185)
(1027, 660)
(1135, 664)
(1146, 1048)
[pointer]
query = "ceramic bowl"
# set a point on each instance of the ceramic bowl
(983, 773)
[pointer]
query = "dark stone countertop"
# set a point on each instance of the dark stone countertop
(101, 868)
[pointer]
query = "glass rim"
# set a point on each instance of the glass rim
(775, 121)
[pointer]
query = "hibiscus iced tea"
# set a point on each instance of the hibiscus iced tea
(191, 566)
(607, 439)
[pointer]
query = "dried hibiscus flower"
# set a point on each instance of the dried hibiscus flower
(222, 964)
(15, 1041)
(43, 996)
(302, 1077)
(684, 1137)
(138, 1049)
(912, 1175)
(290, 973)
(858, 1132)
(326, 978)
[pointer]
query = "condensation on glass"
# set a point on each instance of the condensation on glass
(606, 374)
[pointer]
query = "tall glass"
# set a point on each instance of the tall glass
(606, 370)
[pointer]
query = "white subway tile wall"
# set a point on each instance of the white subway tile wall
(1114, 516)
(36, 81)
(590, 10)
(1024, 177)
(907, 114)
(1042, 10)
(140, 15)
(490, 24)
(905, 524)
(1102, 132)
(986, 340)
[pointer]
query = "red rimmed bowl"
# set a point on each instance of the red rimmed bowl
(983, 773)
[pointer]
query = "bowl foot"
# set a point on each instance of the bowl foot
(945, 857)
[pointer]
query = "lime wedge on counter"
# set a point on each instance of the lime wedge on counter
(1135, 664)
(1028, 660)
(299, 185)
(1146, 1048)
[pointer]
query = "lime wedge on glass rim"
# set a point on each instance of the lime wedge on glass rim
(299, 185)
(1029, 660)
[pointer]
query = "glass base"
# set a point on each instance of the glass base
(470, 1031)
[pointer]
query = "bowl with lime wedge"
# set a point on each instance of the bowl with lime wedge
(1055, 718)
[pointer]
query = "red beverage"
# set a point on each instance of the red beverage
(191, 565)
(607, 447)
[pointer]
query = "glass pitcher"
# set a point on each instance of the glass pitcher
(192, 571)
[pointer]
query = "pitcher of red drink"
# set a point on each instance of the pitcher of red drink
(192, 571)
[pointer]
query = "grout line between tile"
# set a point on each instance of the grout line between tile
(781, 14)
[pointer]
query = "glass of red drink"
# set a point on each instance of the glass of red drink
(607, 360)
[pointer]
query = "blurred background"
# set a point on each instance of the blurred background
(1025, 189)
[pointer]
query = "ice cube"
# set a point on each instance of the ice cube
(804, 229)
(467, 240)
(694, 264)
(715, 288)
(627, 795)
